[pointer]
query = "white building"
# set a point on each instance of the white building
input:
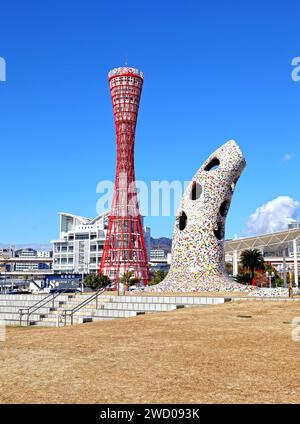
(158, 254)
(279, 248)
(80, 244)
(28, 259)
(43, 254)
(291, 226)
(27, 252)
(24, 262)
(160, 259)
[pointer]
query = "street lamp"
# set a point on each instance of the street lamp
(82, 277)
(270, 276)
(85, 265)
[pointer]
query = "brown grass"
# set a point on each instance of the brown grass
(197, 355)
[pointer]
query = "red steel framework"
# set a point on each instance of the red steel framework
(124, 248)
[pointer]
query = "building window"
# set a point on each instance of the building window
(84, 236)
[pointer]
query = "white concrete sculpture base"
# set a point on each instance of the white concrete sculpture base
(198, 259)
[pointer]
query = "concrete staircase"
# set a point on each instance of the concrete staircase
(107, 307)
(11, 304)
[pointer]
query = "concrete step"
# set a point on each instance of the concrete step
(175, 300)
(16, 316)
(109, 307)
(69, 306)
(114, 313)
(32, 297)
(54, 322)
(15, 309)
(96, 319)
(28, 304)
(133, 307)
(45, 324)
(15, 323)
(19, 303)
(23, 297)
(146, 307)
(77, 301)
(82, 312)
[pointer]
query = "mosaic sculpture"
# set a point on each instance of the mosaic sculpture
(198, 258)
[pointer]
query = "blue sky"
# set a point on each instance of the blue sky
(213, 71)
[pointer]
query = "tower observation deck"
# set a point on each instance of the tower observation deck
(124, 248)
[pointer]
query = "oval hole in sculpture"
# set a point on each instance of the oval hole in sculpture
(213, 164)
(219, 233)
(224, 208)
(196, 191)
(181, 221)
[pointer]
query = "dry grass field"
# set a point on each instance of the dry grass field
(209, 355)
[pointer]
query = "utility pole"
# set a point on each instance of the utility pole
(284, 268)
(291, 288)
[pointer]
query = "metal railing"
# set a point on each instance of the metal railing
(33, 308)
(70, 312)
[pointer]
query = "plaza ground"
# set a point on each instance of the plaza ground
(226, 294)
(235, 352)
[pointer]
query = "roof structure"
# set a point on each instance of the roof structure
(261, 241)
(125, 70)
(84, 220)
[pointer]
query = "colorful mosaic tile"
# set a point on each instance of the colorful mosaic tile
(198, 258)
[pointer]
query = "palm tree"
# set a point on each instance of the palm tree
(252, 260)
(126, 278)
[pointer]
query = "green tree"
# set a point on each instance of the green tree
(134, 282)
(126, 278)
(129, 280)
(157, 277)
(252, 260)
(242, 278)
(96, 281)
(229, 267)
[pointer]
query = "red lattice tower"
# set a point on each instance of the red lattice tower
(124, 248)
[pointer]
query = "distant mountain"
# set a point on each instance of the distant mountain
(161, 243)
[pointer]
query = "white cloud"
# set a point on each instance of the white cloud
(287, 157)
(274, 215)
